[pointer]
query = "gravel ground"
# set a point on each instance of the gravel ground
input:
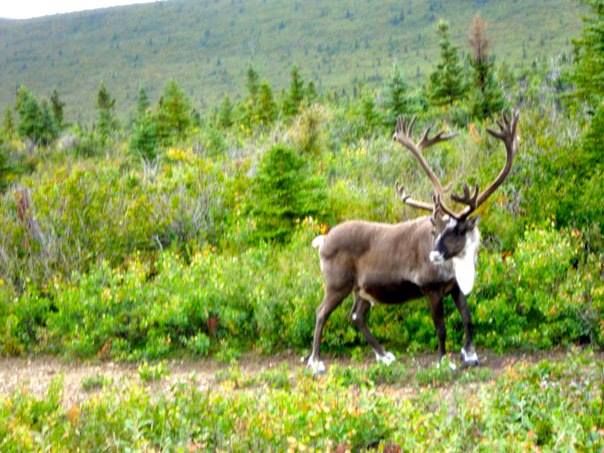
(35, 374)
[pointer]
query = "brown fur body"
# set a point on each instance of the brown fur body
(387, 261)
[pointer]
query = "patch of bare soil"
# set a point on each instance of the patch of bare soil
(36, 373)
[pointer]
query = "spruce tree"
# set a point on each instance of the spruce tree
(49, 130)
(250, 105)
(173, 115)
(267, 108)
(396, 99)
(252, 83)
(106, 120)
(283, 191)
(447, 83)
(311, 92)
(144, 140)
(295, 94)
(142, 103)
(588, 71)
(369, 113)
(36, 122)
(57, 107)
(225, 113)
(28, 108)
(486, 97)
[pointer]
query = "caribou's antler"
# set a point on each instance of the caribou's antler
(471, 198)
(507, 134)
(406, 198)
(402, 134)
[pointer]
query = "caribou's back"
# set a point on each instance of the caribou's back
(365, 254)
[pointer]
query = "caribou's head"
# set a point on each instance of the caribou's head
(455, 234)
(452, 238)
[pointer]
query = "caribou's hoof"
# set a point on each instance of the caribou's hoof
(316, 366)
(469, 358)
(386, 359)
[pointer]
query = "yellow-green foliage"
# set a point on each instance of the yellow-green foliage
(93, 211)
(266, 298)
(550, 405)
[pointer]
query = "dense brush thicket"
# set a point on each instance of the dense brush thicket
(177, 232)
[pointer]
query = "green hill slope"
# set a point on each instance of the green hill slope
(207, 45)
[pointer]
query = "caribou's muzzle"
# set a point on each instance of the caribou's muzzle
(436, 257)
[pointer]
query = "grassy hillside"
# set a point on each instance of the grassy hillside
(207, 45)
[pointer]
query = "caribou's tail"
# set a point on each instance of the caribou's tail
(317, 242)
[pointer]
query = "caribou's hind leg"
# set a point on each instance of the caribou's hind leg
(333, 298)
(360, 309)
(468, 353)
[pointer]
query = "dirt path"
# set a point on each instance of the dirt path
(35, 374)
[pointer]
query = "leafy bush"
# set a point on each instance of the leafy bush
(540, 296)
(221, 304)
(307, 133)
(148, 372)
(95, 382)
(88, 213)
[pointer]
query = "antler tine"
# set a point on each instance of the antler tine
(469, 199)
(402, 135)
(507, 130)
(404, 129)
(424, 139)
(438, 202)
(441, 136)
(406, 198)
(410, 125)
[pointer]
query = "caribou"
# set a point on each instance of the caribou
(431, 256)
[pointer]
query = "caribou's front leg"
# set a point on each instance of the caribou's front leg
(468, 353)
(360, 309)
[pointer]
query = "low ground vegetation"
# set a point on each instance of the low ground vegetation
(549, 404)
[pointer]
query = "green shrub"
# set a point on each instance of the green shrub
(95, 382)
(541, 296)
(144, 139)
(198, 344)
(283, 193)
(148, 372)
(87, 143)
(88, 213)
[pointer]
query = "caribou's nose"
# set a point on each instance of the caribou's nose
(436, 257)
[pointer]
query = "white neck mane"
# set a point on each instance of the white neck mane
(465, 263)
